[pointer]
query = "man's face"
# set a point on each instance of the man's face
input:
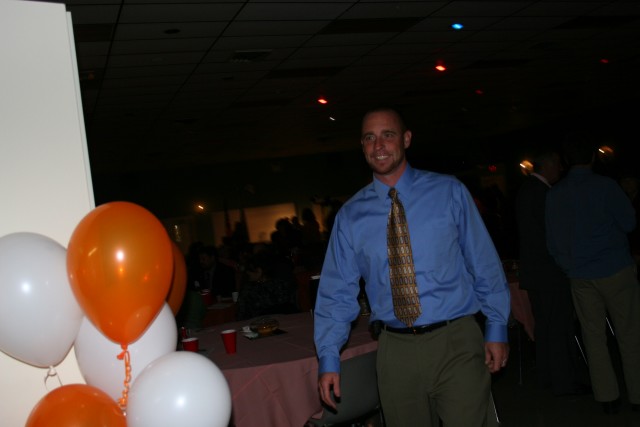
(384, 141)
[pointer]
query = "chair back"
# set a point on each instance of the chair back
(359, 391)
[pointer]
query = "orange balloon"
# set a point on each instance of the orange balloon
(76, 405)
(179, 283)
(120, 265)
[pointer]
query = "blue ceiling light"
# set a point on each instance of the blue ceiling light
(457, 26)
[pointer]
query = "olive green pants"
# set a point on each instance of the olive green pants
(437, 375)
(617, 296)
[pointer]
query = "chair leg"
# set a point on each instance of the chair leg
(493, 415)
(610, 327)
(520, 382)
(581, 351)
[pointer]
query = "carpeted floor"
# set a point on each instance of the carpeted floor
(521, 403)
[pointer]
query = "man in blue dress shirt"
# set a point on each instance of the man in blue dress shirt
(442, 362)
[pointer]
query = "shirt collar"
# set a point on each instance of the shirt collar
(541, 178)
(403, 186)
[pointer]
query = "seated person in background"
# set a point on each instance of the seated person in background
(219, 278)
(264, 291)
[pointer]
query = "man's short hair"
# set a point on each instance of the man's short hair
(578, 148)
(387, 109)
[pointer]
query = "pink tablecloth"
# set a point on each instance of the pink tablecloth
(273, 380)
(521, 308)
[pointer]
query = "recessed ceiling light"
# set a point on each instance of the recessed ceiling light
(457, 26)
(441, 67)
(604, 61)
(323, 101)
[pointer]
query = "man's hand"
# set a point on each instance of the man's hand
(496, 355)
(326, 382)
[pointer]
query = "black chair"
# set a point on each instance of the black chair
(359, 393)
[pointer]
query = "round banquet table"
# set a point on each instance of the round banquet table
(273, 379)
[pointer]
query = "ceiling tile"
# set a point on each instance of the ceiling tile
(154, 70)
(167, 58)
(481, 8)
(560, 8)
(291, 11)
(274, 28)
(166, 30)
(353, 39)
(188, 12)
(264, 42)
(392, 9)
(353, 51)
(127, 47)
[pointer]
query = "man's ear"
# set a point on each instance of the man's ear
(406, 136)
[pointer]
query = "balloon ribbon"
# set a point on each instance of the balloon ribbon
(127, 377)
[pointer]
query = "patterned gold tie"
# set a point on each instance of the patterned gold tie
(406, 303)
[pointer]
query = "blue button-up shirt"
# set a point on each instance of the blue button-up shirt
(458, 271)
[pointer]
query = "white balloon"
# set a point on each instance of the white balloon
(39, 315)
(98, 356)
(180, 389)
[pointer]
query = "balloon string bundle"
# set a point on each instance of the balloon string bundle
(127, 377)
(51, 373)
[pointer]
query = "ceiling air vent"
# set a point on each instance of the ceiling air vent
(243, 56)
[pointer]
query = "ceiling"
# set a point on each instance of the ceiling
(172, 84)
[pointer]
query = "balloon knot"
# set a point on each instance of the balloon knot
(124, 352)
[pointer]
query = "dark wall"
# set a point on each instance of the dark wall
(247, 184)
(339, 175)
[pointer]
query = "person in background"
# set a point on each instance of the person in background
(313, 247)
(219, 278)
(439, 360)
(588, 217)
(630, 185)
(264, 291)
(546, 284)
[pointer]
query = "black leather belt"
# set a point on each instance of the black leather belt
(418, 330)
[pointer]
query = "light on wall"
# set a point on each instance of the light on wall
(605, 151)
(526, 167)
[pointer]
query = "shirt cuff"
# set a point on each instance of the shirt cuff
(495, 333)
(329, 364)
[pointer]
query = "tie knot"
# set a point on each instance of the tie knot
(393, 193)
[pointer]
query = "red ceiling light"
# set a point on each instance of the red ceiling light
(479, 92)
(441, 67)
(604, 61)
(323, 101)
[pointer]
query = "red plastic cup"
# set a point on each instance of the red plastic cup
(229, 338)
(207, 297)
(190, 344)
